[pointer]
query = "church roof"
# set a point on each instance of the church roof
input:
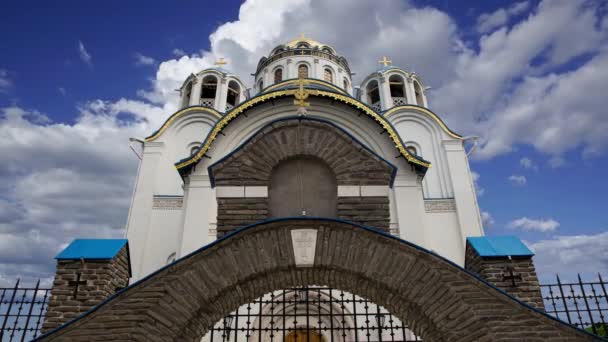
(499, 246)
(185, 165)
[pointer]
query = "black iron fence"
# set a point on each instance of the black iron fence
(316, 314)
(22, 311)
(583, 304)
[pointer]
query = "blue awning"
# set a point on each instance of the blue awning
(96, 249)
(499, 246)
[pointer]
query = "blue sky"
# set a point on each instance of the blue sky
(79, 78)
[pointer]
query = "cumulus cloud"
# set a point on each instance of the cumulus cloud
(540, 225)
(5, 81)
(479, 190)
(528, 163)
(568, 255)
(178, 52)
(518, 180)
(489, 21)
(520, 101)
(143, 60)
(85, 56)
(486, 219)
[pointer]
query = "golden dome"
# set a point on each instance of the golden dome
(294, 43)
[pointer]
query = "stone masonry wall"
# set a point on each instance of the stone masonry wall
(100, 279)
(234, 213)
(368, 211)
(496, 271)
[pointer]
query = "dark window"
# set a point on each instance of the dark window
(278, 75)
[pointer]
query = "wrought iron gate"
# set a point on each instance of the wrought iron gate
(310, 314)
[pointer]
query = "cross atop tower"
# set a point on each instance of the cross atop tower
(221, 61)
(385, 61)
(302, 36)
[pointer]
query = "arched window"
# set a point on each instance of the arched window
(278, 75)
(303, 71)
(345, 84)
(260, 85)
(234, 94)
(187, 95)
(397, 90)
(171, 258)
(303, 186)
(418, 92)
(373, 95)
(328, 75)
(412, 149)
(208, 89)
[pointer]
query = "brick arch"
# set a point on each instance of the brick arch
(439, 300)
(351, 161)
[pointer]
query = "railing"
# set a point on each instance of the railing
(583, 304)
(376, 106)
(399, 101)
(207, 102)
(22, 311)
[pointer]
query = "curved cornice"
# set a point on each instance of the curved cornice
(179, 114)
(237, 111)
(426, 111)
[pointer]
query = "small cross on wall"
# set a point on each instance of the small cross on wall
(76, 283)
(510, 274)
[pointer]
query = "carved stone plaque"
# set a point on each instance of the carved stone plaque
(304, 243)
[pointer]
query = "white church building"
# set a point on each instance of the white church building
(431, 196)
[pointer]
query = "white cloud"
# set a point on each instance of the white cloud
(179, 52)
(518, 180)
(143, 60)
(541, 225)
(62, 91)
(569, 255)
(486, 219)
(490, 21)
(510, 97)
(478, 189)
(5, 81)
(528, 163)
(557, 162)
(85, 56)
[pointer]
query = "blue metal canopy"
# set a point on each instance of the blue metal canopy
(499, 246)
(98, 249)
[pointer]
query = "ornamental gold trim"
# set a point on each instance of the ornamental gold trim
(219, 126)
(427, 112)
(179, 114)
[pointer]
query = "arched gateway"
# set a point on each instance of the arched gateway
(439, 300)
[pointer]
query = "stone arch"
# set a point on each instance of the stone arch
(251, 163)
(439, 300)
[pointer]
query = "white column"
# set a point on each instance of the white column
(464, 193)
(287, 72)
(386, 100)
(141, 208)
(410, 210)
(316, 72)
(220, 95)
(198, 198)
(409, 91)
(195, 96)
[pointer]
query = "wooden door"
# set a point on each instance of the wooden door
(303, 336)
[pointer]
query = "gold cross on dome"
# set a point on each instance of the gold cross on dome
(385, 61)
(302, 36)
(221, 61)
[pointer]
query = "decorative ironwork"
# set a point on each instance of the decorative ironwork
(310, 314)
(319, 311)
(583, 304)
(22, 311)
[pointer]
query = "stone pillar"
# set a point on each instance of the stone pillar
(198, 196)
(195, 96)
(409, 202)
(88, 272)
(507, 263)
(386, 100)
